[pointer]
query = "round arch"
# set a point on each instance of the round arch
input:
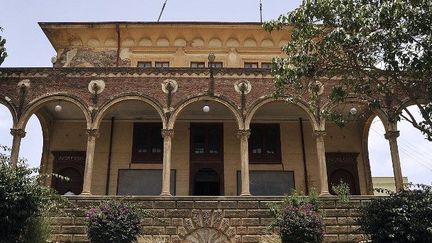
(407, 103)
(261, 102)
(376, 112)
(39, 102)
(106, 107)
(11, 109)
(220, 100)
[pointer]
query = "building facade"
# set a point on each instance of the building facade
(182, 109)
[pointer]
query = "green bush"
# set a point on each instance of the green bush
(37, 231)
(405, 216)
(298, 219)
(23, 199)
(113, 222)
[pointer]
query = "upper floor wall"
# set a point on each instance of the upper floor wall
(180, 44)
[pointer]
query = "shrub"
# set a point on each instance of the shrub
(298, 219)
(404, 216)
(23, 199)
(113, 221)
(342, 190)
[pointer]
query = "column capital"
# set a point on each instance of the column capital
(243, 134)
(319, 133)
(92, 132)
(167, 133)
(391, 135)
(17, 132)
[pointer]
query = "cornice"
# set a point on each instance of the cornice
(132, 72)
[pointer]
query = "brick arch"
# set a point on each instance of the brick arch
(182, 105)
(105, 108)
(263, 101)
(377, 112)
(36, 104)
(11, 109)
(409, 102)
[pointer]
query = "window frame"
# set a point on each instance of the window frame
(147, 157)
(144, 62)
(162, 63)
(251, 63)
(213, 64)
(198, 64)
(206, 156)
(266, 63)
(263, 129)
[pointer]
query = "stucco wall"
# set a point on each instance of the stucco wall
(70, 136)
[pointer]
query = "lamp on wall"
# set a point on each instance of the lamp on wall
(353, 111)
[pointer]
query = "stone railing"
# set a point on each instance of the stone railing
(228, 219)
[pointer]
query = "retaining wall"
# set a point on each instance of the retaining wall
(230, 219)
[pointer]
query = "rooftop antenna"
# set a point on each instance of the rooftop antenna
(261, 11)
(163, 7)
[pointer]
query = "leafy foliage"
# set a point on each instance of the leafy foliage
(113, 221)
(298, 219)
(342, 190)
(404, 216)
(377, 50)
(3, 53)
(23, 199)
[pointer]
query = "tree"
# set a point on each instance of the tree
(24, 202)
(3, 53)
(379, 51)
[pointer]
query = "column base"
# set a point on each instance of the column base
(85, 194)
(325, 194)
(165, 194)
(245, 194)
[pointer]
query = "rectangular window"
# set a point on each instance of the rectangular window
(266, 65)
(162, 64)
(144, 64)
(144, 182)
(197, 64)
(216, 64)
(264, 143)
(206, 142)
(147, 143)
(250, 65)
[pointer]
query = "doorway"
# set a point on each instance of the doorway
(206, 159)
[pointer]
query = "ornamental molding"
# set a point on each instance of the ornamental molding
(206, 226)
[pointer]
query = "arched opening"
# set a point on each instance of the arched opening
(345, 176)
(282, 150)
(6, 123)
(206, 183)
(73, 185)
(206, 138)
(414, 151)
(56, 128)
(129, 150)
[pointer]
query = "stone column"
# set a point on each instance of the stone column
(167, 135)
(92, 134)
(322, 166)
(17, 134)
(392, 136)
(243, 135)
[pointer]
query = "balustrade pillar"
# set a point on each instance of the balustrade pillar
(167, 135)
(92, 134)
(322, 166)
(243, 135)
(392, 136)
(17, 134)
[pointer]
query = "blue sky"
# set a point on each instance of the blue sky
(27, 46)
